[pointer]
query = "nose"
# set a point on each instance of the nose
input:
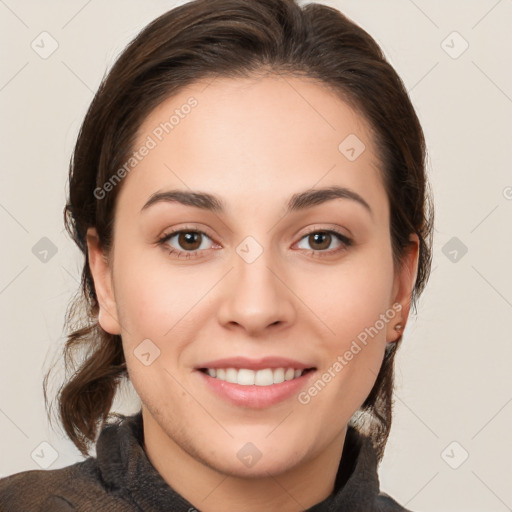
(256, 296)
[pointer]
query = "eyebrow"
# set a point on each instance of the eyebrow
(297, 202)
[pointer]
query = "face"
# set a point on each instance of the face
(268, 290)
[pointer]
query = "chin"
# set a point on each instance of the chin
(244, 459)
(261, 469)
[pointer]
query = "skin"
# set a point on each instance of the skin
(252, 142)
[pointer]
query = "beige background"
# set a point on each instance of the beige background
(453, 371)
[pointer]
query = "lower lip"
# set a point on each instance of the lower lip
(256, 397)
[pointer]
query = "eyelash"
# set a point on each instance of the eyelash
(345, 243)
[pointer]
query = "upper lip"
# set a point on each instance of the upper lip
(255, 364)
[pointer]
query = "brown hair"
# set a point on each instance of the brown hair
(232, 38)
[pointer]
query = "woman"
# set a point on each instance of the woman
(249, 192)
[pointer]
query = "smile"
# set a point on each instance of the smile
(248, 377)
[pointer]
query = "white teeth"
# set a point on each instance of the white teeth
(231, 375)
(264, 377)
(290, 374)
(246, 377)
(278, 375)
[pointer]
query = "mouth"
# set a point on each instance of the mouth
(249, 377)
(255, 383)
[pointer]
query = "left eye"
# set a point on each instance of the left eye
(324, 239)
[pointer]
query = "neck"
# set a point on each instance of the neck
(209, 489)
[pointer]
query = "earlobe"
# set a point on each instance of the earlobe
(102, 277)
(405, 280)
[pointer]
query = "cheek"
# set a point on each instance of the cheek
(155, 303)
(357, 311)
(153, 298)
(352, 298)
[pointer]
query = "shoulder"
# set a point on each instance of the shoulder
(59, 490)
(385, 503)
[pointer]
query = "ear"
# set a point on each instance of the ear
(102, 277)
(405, 278)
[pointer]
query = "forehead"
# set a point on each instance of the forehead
(252, 138)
